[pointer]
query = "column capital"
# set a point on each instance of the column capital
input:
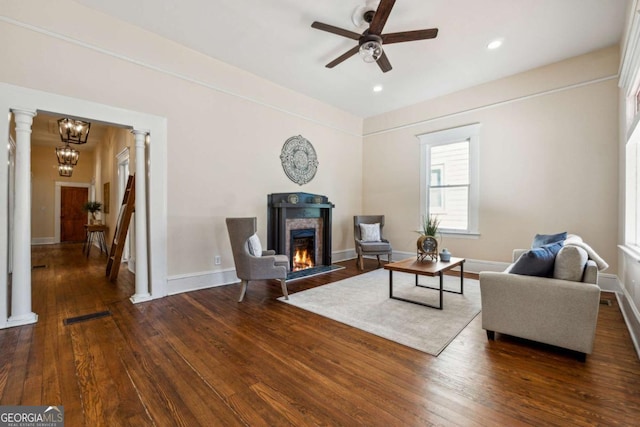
(24, 112)
(140, 137)
(23, 118)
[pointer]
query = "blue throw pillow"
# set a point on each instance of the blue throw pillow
(537, 261)
(546, 239)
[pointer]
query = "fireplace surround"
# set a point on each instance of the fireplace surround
(292, 212)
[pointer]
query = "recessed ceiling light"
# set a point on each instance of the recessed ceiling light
(377, 88)
(495, 44)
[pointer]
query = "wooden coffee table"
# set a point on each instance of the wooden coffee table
(426, 268)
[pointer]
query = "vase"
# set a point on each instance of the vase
(445, 255)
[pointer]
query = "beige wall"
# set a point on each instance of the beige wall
(225, 126)
(106, 171)
(44, 170)
(548, 158)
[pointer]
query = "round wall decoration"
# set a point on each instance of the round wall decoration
(299, 160)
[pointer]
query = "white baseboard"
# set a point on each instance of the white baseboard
(631, 317)
(202, 280)
(43, 241)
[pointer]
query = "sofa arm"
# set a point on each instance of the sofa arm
(551, 311)
(517, 253)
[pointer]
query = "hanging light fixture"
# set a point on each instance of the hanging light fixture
(65, 170)
(67, 155)
(73, 131)
(371, 50)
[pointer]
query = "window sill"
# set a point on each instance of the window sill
(631, 251)
(461, 234)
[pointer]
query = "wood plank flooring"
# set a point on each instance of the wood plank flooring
(201, 358)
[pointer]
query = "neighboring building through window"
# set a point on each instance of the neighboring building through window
(449, 180)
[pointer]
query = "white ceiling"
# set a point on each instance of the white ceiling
(274, 39)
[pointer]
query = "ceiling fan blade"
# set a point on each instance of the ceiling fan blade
(408, 36)
(380, 18)
(346, 55)
(335, 30)
(383, 63)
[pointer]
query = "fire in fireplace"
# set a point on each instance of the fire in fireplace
(303, 249)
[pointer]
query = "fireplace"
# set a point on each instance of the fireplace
(300, 219)
(303, 249)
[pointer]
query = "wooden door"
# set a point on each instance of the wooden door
(72, 217)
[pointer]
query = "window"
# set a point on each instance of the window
(632, 188)
(449, 183)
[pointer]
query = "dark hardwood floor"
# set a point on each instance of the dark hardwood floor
(201, 358)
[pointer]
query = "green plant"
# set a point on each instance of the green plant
(430, 225)
(92, 207)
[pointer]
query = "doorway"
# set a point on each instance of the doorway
(72, 216)
(123, 176)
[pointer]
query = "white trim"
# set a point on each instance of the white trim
(631, 317)
(630, 54)
(43, 241)
(19, 97)
(196, 281)
(57, 204)
(492, 105)
(632, 252)
(177, 75)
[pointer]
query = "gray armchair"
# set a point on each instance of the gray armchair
(264, 265)
(371, 247)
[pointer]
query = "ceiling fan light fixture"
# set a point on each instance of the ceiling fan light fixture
(370, 51)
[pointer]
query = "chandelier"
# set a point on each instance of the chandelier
(73, 131)
(65, 170)
(67, 155)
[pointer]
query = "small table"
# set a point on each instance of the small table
(426, 268)
(95, 231)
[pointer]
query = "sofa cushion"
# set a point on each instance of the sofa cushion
(537, 261)
(570, 262)
(546, 239)
(255, 247)
(370, 232)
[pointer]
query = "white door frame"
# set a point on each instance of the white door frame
(16, 97)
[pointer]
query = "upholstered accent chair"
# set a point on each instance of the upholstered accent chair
(369, 240)
(561, 310)
(252, 263)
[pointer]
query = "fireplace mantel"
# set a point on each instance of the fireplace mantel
(281, 208)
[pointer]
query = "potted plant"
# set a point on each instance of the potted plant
(427, 243)
(430, 225)
(92, 207)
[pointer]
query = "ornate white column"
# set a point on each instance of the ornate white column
(142, 262)
(21, 313)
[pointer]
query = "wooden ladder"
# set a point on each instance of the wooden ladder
(122, 227)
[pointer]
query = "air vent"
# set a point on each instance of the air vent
(85, 317)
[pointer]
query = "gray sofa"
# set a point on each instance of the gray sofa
(561, 310)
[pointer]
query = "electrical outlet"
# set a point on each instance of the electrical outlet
(217, 260)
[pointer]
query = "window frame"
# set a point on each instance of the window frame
(469, 133)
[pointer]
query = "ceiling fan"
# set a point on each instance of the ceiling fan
(371, 40)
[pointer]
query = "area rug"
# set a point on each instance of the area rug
(363, 302)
